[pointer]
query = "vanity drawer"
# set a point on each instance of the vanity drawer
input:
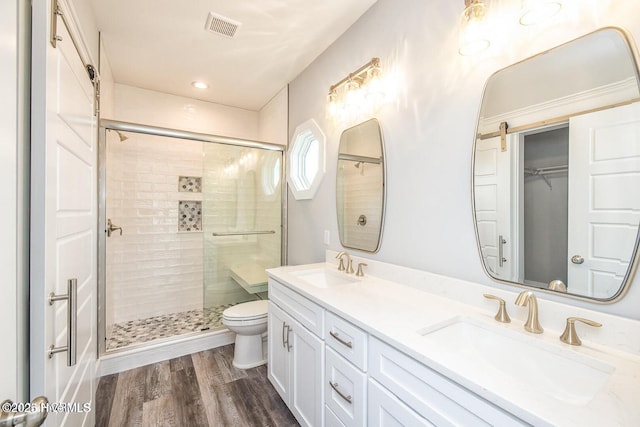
(345, 389)
(346, 339)
(385, 409)
(308, 313)
(441, 401)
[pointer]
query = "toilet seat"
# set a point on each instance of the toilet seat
(247, 311)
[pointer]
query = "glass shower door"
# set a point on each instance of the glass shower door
(242, 225)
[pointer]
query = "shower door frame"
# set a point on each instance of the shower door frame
(102, 200)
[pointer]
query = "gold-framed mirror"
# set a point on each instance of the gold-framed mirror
(556, 169)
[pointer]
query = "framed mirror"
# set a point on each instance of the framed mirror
(360, 192)
(556, 169)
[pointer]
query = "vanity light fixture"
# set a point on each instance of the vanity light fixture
(199, 85)
(474, 29)
(535, 12)
(361, 90)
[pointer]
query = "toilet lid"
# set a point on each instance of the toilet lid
(247, 310)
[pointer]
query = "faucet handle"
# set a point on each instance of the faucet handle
(360, 273)
(341, 265)
(569, 335)
(501, 315)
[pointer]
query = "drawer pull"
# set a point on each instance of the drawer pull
(334, 386)
(284, 340)
(340, 340)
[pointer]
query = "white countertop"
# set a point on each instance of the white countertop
(395, 313)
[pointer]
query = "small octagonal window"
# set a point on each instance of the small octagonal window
(306, 160)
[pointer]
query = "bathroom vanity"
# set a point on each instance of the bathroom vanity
(414, 348)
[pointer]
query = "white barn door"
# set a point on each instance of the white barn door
(604, 204)
(492, 188)
(64, 228)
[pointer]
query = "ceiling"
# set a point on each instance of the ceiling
(162, 45)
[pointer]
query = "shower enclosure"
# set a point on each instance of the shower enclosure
(191, 223)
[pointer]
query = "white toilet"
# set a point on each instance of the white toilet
(249, 321)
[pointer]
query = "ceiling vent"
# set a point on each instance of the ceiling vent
(221, 25)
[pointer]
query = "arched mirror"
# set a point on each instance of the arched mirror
(556, 169)
(360, 192)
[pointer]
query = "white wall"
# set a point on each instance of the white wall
(428, 128)
(272, 120)
(148, 107)
(107, 86)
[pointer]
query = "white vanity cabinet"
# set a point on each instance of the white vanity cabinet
(436, 398)
(330, 372)
(296, 353)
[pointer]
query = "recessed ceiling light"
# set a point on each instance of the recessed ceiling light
(199, 85)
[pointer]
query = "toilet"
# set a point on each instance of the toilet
(249, 321)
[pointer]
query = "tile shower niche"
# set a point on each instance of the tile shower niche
(189, 211)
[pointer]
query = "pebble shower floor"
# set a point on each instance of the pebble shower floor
(143, 330)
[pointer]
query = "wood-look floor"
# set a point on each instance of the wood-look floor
(201, 389)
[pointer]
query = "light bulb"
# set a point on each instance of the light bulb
(332, 104)
(474, 31)
(375, 89)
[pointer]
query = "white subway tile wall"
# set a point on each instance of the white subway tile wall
(362, 197)
(152, 269)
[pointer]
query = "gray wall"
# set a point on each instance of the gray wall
(428, 128)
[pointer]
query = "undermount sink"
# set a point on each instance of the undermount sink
(323, 278)
(503, 360)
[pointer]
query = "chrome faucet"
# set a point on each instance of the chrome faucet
(341, 267)
(528, 298)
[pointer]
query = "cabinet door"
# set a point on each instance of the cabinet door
(307, 373)
(278, 353)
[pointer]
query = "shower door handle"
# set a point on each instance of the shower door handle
(111, 227)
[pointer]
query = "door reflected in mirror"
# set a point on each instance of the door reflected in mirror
(360, 182)
(557, 167)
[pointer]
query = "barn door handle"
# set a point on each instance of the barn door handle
(72, 321)
(501, 242)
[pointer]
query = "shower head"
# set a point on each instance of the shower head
(120, 135)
